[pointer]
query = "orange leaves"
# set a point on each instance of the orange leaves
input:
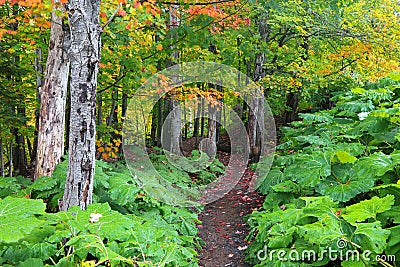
(222, 15)
(121, 13)
(108, 151)
(159, 47)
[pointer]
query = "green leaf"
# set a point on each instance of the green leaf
(374, 237)
(275, 176)
(343, 191)
(31, 262)
(393, 242)
(322, 232)
(345, 157)
(368, 209)
(17, 218)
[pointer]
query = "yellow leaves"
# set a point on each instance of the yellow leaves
(294, 83)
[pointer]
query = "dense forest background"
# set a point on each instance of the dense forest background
(327, 69)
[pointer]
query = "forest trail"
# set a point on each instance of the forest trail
(224, 229)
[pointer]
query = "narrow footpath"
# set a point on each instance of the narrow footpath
(224, 228)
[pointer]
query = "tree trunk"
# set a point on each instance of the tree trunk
(212, 130)
(84, 55)
(1, 158)
(255, 125)
(159, 120)
(292, 102)
(20, 153)
(10, 159)
(53, 95)
(39, 81)
(196, 123)
(202, 122)
(175, 114)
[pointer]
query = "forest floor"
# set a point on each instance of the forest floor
(224, 229)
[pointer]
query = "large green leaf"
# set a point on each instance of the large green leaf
(373, 237)
(393, 243)
(366, 209)
(17, 218)
(343, 191)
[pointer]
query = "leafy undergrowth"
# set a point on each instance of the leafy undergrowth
(124, 226)
(334, 186)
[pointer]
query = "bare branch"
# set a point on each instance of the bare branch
(112, 17)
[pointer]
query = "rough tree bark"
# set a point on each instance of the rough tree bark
(174, 133)
(50, 144)
(83, 17)
(255, 126)
(39, 73)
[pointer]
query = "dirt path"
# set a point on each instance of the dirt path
(224, 228)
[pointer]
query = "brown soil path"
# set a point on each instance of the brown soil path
(224, 229)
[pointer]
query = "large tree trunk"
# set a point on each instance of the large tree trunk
(84, 55)
(175, 114)
(255, 125)
(39, 72)
(50, 144)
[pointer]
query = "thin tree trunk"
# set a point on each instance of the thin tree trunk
(153, 131)
(10, 160)
(20, 155)
(196, 123)
(50, 147)
(85, 55)
(185, 121)
(159, 121)
(1, 157)
(202, 118)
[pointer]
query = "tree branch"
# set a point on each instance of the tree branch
(342, 68)
(112, 16)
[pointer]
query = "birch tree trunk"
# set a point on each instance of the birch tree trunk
(176, 120)
(84, 55)
(50, 144)
(256, 111)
